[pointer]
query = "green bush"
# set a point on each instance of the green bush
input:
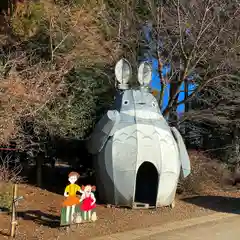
(5, 195)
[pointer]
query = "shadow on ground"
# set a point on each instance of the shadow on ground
(4, 233)
(69, 156)
(4, 209)
(216, 203)
(40, 218)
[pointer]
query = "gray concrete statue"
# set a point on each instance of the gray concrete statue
(138, 157)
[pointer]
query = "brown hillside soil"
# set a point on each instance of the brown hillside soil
(38, 213)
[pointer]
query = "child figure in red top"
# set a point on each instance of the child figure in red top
(88, 201)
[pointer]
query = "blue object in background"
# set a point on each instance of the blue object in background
(155, 84)
(156, 81)
(181, 96)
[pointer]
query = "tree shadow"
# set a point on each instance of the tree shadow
(216, 203)
(71, 155)
(4, 233)
(40, 218)
(4, 210)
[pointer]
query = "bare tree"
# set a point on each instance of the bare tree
(199, 39)
(10, 170)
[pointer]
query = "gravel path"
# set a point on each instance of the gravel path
(180, 228)
(217, 230)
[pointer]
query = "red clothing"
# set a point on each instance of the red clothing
(86, 204)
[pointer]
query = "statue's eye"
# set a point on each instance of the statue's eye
(154, 104)
(126, 102)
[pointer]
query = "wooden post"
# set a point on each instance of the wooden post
(13, 218)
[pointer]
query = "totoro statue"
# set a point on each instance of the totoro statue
(138, 157)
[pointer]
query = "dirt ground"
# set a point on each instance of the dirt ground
(39, 212)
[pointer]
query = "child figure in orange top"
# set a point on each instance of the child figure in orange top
(71, 200)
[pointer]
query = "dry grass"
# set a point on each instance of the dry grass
(204, 172)
(9, 173)
(10, 170)
(5, 195)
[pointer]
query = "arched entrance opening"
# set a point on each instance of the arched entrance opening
(146, 188)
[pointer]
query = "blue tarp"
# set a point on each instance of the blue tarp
(155, 83)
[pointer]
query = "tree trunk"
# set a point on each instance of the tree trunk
(172, 114)
(186, 109)
(39, 163)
